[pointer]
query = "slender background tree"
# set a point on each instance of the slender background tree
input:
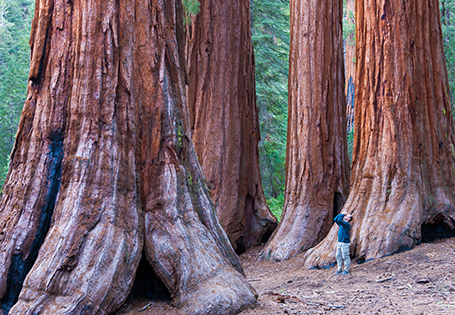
(349, 61)
(270, 35)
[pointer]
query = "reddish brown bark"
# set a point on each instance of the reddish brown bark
(317, 165)
(224, 119)
(104, 149)
(403, 169)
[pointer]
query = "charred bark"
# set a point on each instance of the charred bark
(403, 168)
(224, 119)
(317, 165)
(104, 170)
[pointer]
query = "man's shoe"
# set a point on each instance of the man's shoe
(344, 273)
(338, 272)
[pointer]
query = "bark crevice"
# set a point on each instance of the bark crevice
(224, 118)
(20, 265)
(147, 284)
(438, 228)
(121, 177)
(402, 182)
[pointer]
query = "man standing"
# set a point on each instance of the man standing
(343, 243)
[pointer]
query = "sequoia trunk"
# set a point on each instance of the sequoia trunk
(403, 169)
(317, 165)
(224, 119)
(104, 171)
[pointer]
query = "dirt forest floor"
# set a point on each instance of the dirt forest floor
(417, 282)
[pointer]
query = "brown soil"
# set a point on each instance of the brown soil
(419, 281)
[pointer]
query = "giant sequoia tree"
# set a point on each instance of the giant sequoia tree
(317, 165)
(224, 119)
(104, 172)
(403, 168)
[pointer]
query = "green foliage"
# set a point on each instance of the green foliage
(276, 205)
(15, 24)
(180, 137)
(348, 25)
(270, 35)
(190, 8)
(447, 10)
(350, 142)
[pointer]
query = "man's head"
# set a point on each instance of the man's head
(347, 217)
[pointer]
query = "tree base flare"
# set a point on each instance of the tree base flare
(104, 147)
(223, 293)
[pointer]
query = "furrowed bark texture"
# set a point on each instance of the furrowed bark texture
(103, 164)
(224, 119)
(317, 165)
(403, 169)
(73, 162)
(184, 240)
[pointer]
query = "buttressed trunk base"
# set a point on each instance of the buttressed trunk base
(104, 170)
(403, 168)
